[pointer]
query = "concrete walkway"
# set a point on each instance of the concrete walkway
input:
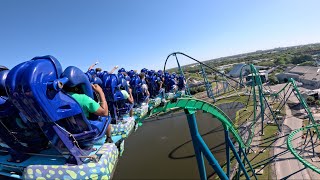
(286, 166)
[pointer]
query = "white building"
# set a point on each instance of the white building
(308, 75)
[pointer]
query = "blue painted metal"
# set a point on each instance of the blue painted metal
(16, 133)
(138, 93)
(239, 169)
(51, 109)
(112, 86)
(246, 159)
(226, 136)
(201, 147)
(238, 157)
(193, 131)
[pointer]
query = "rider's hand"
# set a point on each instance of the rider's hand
(96, 88)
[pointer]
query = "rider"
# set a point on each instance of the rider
(89, 105)
(128, 97)
(144, 86)
(98, 70)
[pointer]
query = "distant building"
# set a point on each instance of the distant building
(309, 76)
(235, 72)
(263, 76)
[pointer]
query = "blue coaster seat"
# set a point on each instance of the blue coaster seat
(21, 136)
(118, 106)
(35, 88)
(181, 83)
(137, 92)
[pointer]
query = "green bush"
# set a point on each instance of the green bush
(310, 100)
(197, 89)
(273, 80)
(301, 59)
(308, 63)
(193, 91)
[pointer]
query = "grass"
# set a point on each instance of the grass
(276, 106)
(241, 99)
(258, 159)
(264, 158)
(214, 86)
(228, 92)
(243, 115)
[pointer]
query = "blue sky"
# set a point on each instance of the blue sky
(141, 33)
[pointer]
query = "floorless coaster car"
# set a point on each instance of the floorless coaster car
(181, 83)
(119, 107)
(16, 134)
(76, 149)
(137, 92)
(153, 86)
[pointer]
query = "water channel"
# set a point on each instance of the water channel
(162, 147)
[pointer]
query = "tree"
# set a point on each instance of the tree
(280, 61)
(266, 63)
(310, 100)
(227, 70)
(301, 58)
(273, 79)
(201, 89)
(193, 90)
(308, 63)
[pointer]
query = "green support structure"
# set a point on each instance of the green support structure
(301, 100)
(295, 153)
(207, 84)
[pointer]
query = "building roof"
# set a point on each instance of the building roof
(237, 68)
(305, 70)
(311, 76)
(260, 73)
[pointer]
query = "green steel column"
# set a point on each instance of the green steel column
(207, 84)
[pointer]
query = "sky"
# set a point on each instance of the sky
(141, 33)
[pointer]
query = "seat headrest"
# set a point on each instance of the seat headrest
(3, 76)
(123, 84)
(97, 80)
(56, 63)
(78, 78)
(92, 72)
(120, 77)
(102, 74)
(109, 86)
